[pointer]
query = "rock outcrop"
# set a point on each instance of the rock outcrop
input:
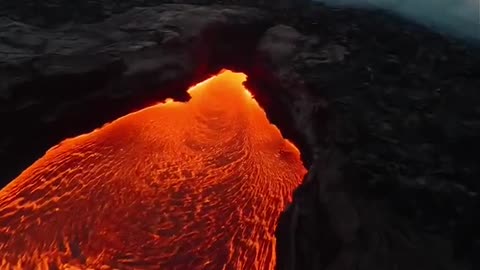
(378, 194)
(361, 233)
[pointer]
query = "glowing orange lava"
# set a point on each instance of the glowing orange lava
(196, 185)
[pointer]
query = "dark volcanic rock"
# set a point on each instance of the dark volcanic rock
(387, 188)
(54, 81)
(49, 13)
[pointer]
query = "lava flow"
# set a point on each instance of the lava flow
(195, 185)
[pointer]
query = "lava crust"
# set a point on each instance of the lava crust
(196, 185)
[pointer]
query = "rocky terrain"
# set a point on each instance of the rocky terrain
(50, 13)
(385, 113)
(401, 131)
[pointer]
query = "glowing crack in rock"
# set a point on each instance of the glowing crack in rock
(195, 185)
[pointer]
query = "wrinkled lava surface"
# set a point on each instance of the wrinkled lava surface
(196, 185)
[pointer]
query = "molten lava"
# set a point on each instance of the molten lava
(196, 185)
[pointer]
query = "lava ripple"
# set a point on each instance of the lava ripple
(194, 185)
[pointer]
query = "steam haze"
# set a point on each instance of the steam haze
(460, 18)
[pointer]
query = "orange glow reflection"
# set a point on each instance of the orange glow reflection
(196, 185)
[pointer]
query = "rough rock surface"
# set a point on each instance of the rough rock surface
(393, 181)
(385, 113)
(54, 12)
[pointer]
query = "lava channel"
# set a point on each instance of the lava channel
(195, 185)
